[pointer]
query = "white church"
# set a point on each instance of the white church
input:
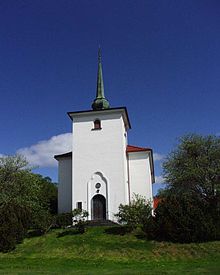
(102, 171)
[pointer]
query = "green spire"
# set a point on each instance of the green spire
(100, 101)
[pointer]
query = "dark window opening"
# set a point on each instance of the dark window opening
(79, 205)
(97, 124)
(98, 207)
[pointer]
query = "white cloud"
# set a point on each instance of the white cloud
(158, 157)
(159, 179)
(42, 153)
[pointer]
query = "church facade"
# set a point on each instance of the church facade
(102, 171)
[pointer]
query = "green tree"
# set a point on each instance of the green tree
(22, 204)
(185, 218)
(194, 166)
(17, 184)
(189, 209)
(49, 193)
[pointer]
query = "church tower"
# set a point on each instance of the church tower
(97, 174)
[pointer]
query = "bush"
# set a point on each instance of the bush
(190, 207)
(14, 222)
(79, 219)
(137, 214)
(42, 221)
(186, 218)
(118, 230)
(68, 232)
(149, 228)
(63, 220)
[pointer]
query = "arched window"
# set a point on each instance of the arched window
(97, 124)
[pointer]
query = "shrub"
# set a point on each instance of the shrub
(63, 220)
(42, 221)
(190, 207)
(118, 230)
(186, 218)
(79, 219)
(136, 214)
(14, 222)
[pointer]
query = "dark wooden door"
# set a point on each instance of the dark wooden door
(99, 207)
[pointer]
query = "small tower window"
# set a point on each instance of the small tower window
(97, 124)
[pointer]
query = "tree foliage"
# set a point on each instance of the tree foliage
(64, 219)
(48, 193)
(136, 213)
(194, 165)
(23, 201)
(14, 221)
(185, 218)
(190, 207)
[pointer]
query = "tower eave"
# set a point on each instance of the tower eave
(123, 110)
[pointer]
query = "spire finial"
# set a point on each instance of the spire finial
(99, 55)
(100, 102)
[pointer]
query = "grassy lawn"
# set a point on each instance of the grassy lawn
(97, 252)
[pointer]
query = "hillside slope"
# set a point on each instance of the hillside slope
(97, 252)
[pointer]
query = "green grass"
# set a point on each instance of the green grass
(96, 252)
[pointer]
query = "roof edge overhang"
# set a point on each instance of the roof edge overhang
(123, 110)
(132, 149)
(65, 155)
(152, 165)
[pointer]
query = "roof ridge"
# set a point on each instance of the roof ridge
(132, 148)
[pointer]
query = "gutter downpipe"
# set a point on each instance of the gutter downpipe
(129, 190)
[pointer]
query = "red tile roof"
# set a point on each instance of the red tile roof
(156, 202)
(131, 148)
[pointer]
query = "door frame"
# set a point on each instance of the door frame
(104, 206)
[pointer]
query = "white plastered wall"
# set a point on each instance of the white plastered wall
(65, 185)
(100, 152)
(140, 178)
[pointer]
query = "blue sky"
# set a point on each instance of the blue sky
(161, 60)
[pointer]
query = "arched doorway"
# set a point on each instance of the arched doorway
(98, 207)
